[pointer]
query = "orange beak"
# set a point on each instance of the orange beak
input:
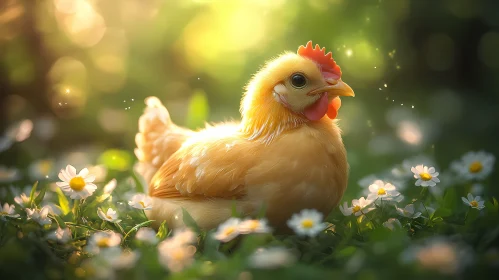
(334, 88)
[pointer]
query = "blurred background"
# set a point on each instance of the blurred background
(74, 74)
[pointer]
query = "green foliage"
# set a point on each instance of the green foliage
(198, 110)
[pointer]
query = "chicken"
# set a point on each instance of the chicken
(285, 155)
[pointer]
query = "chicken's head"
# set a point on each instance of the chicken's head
(295, 87)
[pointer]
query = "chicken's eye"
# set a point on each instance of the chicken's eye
(298, 80)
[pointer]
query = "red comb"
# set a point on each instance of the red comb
(328, 66)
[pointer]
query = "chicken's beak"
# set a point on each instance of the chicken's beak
(334, 88)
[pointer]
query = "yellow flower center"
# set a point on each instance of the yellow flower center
(4, 213)
(356, 208)
(254, 225)
(230, 230)
(476, 167)
(425, 176)
(103, 242)
(307, 223)
(143, 204)
(381, 191)
(109, 217)
(178, 254)
(77, 183)
(474, 203)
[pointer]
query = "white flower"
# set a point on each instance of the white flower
(228, 230)
(41, 169)
(103, 240)
(439, 254)
(76, 186)
(403, 171)
(184, 236)
(359, 207)
(146, 235)
(307, 223)
(175, 258)
(39, 215)
(254, 226)
(271, 258)
(22, 200)
(60, 235)
(141, 201)
(110, 215)
(474, 165)
(110, 186)
(475, 202)
(8, 211)
(8, 175)
(427, 176)
(392, 224)
(53, 209)
(408, 211)
(382, 190)
(118, 258)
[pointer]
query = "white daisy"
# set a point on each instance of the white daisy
(228, 230)
(103, 240)
(474, 202)
(22, 200)
(121, 259)
(439, 254)
(110, 215)
(39, 215)
(110, 186)
(8, 211)
(359, 207)
(474, 165)
(392, 224)
(403, 170)
(254, 226)
(60, 235)
(307, 223)
(184, 236)
(76, 186)
(8, 175)
(408, 211)
(382, 190)
(271, 258)
(427, 176)
(141, 201)
(147, 235)
(175, 258)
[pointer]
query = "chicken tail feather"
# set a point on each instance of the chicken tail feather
(158, 138)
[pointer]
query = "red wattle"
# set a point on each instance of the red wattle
(333, 107)
(317, 110)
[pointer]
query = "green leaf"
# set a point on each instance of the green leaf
(189, 221)
(32, 194)
(63, 201)
(162, 231)
(40, 196)
(198, 110)
(135, 228)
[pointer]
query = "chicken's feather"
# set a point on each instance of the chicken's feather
(210, 164)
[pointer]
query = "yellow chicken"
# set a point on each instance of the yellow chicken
(285, 155)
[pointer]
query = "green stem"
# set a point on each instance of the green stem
(76, 210)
